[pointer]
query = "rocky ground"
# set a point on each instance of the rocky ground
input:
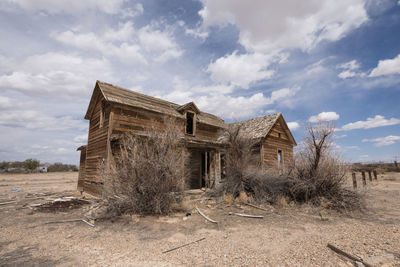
(286, 236)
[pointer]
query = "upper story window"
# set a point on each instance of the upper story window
(190, 123)
(279, 135)
(102, 114)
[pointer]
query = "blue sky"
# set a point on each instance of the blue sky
(333, 60)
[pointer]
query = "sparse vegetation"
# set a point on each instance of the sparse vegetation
(31, 164)
(147, 171)
(317, 176)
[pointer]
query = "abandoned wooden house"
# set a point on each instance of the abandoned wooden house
(114, 110)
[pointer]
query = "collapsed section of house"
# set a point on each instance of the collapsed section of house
(114, 111)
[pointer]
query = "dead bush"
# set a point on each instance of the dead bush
(318, 175)
(147, 175)
(238, 161)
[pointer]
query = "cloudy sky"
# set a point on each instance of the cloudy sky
(335, 60)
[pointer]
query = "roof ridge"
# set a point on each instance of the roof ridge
(278, 113)
(134, 92)
(159, 99)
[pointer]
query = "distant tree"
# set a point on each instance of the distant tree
(4, 165)
(31, 164)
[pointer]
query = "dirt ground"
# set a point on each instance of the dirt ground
(286, 236)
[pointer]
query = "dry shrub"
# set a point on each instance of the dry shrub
(318, 175)
(147, 175)
(237, 161)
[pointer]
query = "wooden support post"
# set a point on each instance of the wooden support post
(370, 176)
(375, 175)
(363, 178)
(354, 180)
(206, 169)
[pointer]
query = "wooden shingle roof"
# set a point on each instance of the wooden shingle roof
(259, 128)
(116, 94)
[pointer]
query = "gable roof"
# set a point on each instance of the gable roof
(119, 95)
(259, 128)
(190, 105)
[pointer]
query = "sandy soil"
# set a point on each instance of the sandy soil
(287, 236)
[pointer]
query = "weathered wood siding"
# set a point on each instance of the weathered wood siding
(276, 140)
(82, 169)
(206, 132)
(193, 170)
(96, 154)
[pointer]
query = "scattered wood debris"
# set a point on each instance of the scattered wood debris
(247, 215)
(184, 245)
(356, 260)
(8, 202)
(72, 220)
(254, 206)
(60, 204)
(207, 218)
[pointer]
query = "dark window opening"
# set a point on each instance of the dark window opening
(189, 123)
(279, 158)
(279, 135)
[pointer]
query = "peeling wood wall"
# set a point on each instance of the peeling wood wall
(96, 149)
(272, 144)
(119, 119)
(82, 170)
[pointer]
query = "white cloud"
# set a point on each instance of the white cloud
(241, 70)
(132, 12)
(347, 74)
(377, 121)
(293, 125)
(5, 102)
(387, 67)
(324, 116)
(351, 65)
(232, 107)
(68, 6)
(275, 25)
(384, 141)
(34, 120)
(159, 41)
(283, 94)
(197, 33)
(349, 70)
(113, 43)
(55, 74)
(81, 139)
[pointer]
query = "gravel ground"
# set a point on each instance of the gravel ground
(287, 236)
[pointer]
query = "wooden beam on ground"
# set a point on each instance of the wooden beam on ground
(207, 218)
(247, 215)
(254, 206)
(347, 255)
(8, 202)
(184, 245)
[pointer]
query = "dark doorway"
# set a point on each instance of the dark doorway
(205, 168)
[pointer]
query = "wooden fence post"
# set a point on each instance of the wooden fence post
(370, 176)
(363, 178)
(375, 175)
(354, 180)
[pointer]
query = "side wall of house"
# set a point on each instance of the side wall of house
(96, 154)
(277, 140)
(82, 169)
